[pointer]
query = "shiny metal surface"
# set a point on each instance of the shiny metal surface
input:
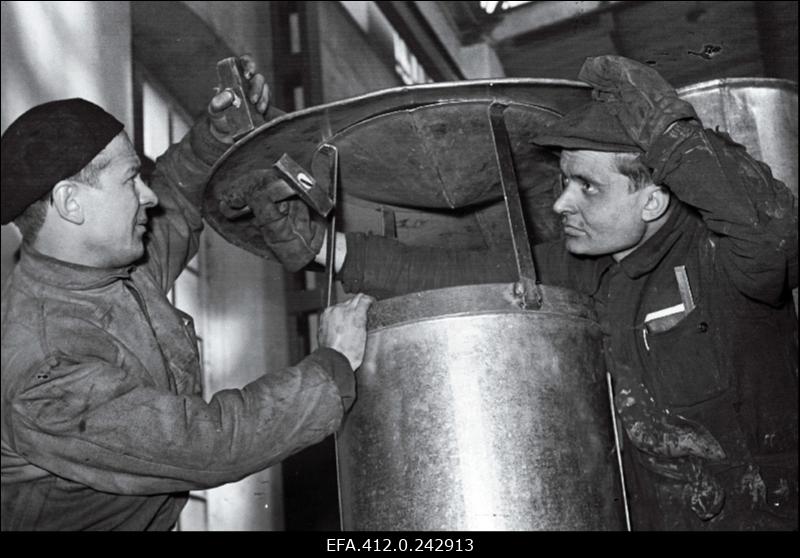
(474, 414)
(759, 113)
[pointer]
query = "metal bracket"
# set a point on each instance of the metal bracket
(305, 185)
(526, 288)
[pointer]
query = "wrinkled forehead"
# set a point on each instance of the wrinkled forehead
(589, 163)
(120, 151)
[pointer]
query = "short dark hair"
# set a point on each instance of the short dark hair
(30, 221)
(631, 165)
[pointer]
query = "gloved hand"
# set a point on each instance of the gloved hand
(257, 95)
(645, 104)
(237, 193)
(288, 228)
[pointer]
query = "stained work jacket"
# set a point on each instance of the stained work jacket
(705, 386)
(103, 424)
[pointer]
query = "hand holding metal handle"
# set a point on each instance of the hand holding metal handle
(287, 180)
(241, 115)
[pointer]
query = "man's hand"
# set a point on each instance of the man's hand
(343, 327)
(289, 230)
(642, 100)
(257, 92)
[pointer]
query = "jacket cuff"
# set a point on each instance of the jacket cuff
(206, 147)
(338, 368)
(665, 154)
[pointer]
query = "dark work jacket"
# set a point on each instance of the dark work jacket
(103, 422)
(707, 398)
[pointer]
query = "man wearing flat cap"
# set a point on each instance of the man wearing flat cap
(688, 247)
(103, 422)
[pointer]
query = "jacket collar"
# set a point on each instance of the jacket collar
(67, 275)
(647, 256)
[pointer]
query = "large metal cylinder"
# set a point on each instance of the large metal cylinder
(476, 414)
(759, 113)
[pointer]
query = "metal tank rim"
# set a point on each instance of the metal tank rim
(475, 299)
(441, 87)
(431, 94)
(738, 82)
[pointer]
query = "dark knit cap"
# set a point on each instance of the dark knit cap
(591, 126)
(49, 143)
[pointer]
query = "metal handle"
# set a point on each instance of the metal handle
(241, 116)
(527, 288)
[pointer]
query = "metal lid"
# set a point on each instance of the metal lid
(425, 147)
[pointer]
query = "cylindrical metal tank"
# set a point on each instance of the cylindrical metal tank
(476, 414)
(759, 113)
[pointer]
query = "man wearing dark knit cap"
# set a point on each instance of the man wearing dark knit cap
(103, 422)
(688, 247)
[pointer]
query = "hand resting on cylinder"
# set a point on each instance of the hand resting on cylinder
(343, 327)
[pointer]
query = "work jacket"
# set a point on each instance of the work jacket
(699, 334)
(103, 422)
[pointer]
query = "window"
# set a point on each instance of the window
(494, 7)
(406, 64)
(385, 38)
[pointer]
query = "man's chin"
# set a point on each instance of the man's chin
(134, 255)
(576, 246)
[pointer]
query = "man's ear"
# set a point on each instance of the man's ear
(656, 204)
(66, 202)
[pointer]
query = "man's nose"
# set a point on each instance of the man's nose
(563, 203)
(147, 197)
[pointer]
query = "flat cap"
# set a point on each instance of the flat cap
(49, 143)
(592, 127)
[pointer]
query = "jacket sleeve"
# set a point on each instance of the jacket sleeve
(384, 267)
(179, 180)
(751, 215)
(94, 423)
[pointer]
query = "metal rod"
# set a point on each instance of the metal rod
(332, 153)
(618, 450)
(516, 221)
